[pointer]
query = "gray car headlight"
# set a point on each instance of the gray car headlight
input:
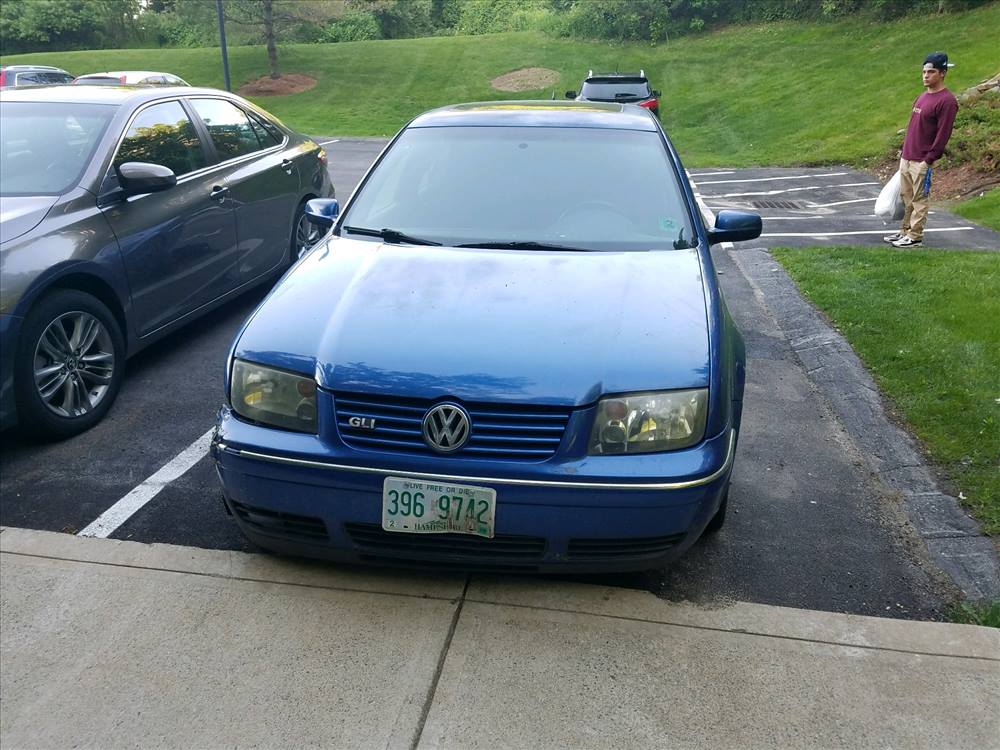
(649, 422)
(274, 397)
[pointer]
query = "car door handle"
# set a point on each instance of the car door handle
(219, 193)
(287, 165)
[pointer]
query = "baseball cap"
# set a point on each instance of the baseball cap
(939, 60)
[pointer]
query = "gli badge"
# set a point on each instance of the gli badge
(362, 423)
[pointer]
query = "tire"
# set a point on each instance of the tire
(68, 366)
(719, 519)
(304, 235)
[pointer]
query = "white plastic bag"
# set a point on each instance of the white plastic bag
(889, 205)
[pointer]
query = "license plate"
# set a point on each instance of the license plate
(414, 507)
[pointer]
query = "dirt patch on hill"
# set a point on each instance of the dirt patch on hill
(293, 83)
(525, 79)
(948, 184)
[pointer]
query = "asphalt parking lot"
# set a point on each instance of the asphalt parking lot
(810, 525)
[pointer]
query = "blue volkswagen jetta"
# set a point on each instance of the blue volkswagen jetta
(510, 352)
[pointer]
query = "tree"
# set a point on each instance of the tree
(66, 24)
(275, 17)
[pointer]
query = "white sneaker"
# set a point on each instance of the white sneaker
(907, 241)
(890, 238)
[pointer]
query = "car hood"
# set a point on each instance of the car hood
(486, 325)
(20, 214)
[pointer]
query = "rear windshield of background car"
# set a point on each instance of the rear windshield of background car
(45, 146)
(43, 78)
(615, 89)
(584, 188)
(98, 81)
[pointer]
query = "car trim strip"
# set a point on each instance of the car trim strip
(494, 480)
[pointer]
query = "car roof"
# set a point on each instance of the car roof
(538, 113)
(31, 67)
(641, 74)
(116, 95)
(127, 73)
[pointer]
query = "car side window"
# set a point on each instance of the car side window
(229, 127)
(163, 134)
(23, 79)
(268, 134)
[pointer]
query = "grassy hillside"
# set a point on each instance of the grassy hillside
(782, 94)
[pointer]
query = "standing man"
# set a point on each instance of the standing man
(926, 136)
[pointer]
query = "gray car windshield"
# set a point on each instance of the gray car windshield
(45, 146)
(585, 188)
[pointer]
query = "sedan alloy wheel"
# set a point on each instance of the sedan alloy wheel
(74, 363)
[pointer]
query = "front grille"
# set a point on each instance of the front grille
(499, 431)
(473, 550)
(612, 548)
(287, 525)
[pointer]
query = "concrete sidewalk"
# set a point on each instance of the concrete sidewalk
(118, 644)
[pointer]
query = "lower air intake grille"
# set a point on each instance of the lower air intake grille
(286, 525)
(371, 538)
(611, 548)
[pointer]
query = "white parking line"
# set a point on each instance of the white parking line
(772, 179)
(106, 524)
(842, 234)
(708, 174)
(795, 189)
(323, 143)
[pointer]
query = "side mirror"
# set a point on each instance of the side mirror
(323, 211)
(571, 95)
(734, 226)
(140, 177)
(657, 93)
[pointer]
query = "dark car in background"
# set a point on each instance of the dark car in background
(555, 386)
(32, 75)
(124, 214)
(129, 78)
(622, 88)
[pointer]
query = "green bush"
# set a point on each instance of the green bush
(498, 16)
(353, 27)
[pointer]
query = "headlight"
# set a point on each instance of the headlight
(274, 397)
(649, 422)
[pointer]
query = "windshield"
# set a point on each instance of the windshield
(585, 188)
(614, 90)
(45, 146)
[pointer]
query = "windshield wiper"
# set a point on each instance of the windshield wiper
(521, 245)
(682, 244)
(390, 235)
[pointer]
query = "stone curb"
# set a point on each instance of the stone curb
(953, 538)
(742, 619)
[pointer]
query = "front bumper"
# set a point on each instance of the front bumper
(294, 497)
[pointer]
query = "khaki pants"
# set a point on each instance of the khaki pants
(917, 203)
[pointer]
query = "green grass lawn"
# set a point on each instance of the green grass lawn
(927, 325)
(780, 94)
(984, 209)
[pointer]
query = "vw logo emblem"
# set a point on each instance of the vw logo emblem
(446, 428)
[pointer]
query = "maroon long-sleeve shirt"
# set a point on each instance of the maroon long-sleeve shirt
(930, 126)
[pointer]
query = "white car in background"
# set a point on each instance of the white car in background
(129, 78)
